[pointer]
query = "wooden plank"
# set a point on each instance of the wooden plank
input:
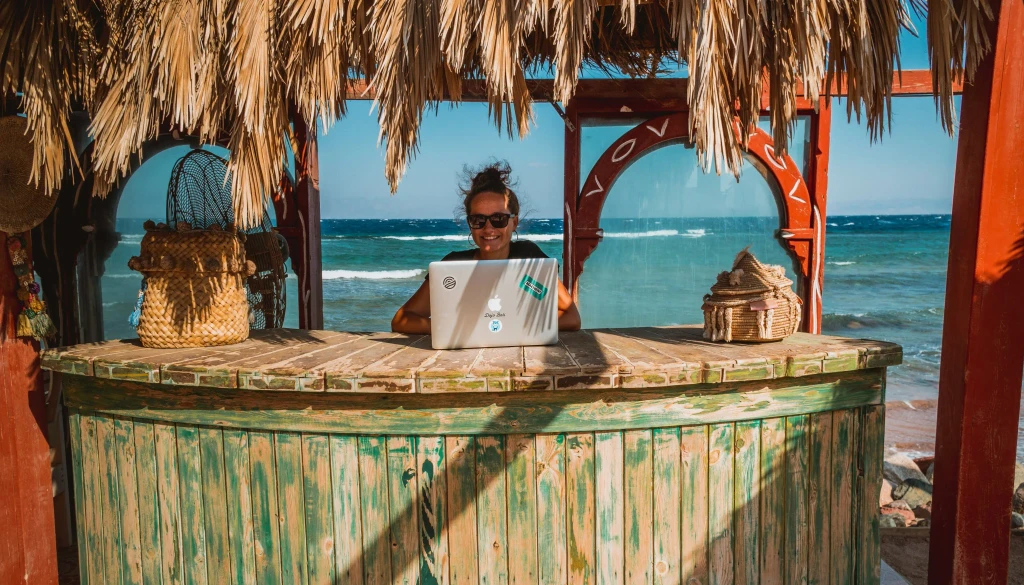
(150, 523)
(548, 360)
(819, 484)
(433, 510)
(404, 507)
(92, 465)
(407, 361)
(797, 454)
(341, 373)
(610, 508)
(215, 505)
(491, 510)
(843, 487)
(288, 450)
(461, 532)
(238, 491)
(193, 532)
(348, 524)
(265, 516)
(82, 512)
(521, 457)
(648, 366)
(720, 503)
(667, 523)
(580, 492)
(498, 365)
(639, 520)
(590, 355)
(869, 534)
(509, 412)
(319, 508)
(128, 503)
(110, 534)
(747, 502)
(376, 514)
(450, 371)
(773, 500)
(693, 445)
(171, 551)
(552, 563)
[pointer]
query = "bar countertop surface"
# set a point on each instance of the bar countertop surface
(305, 360)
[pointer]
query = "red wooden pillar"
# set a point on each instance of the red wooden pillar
(571, 172)
(28, 547)
(982, 339)
(817, 184)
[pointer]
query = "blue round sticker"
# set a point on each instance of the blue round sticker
(495, 326)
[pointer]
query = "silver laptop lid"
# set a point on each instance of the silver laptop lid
(493, 303)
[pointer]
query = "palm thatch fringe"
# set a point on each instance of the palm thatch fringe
(211, 66)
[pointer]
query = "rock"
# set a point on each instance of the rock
(899, 504)
(930, 472)
(916, 492)
(892, 521)
(906, 515)
(1016, 520)
(923, 463)
(923, 522)
(1018, 499)
(1018, 474)
(885, 497)
(898, 468)
(923, 511)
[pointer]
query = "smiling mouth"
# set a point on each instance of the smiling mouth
(490, 238)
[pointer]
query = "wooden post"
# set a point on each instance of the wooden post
(982, 344)
(302, 227)
(817, 184)
(28, 549)
(571, 172)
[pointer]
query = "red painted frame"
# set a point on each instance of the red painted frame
(802, 221)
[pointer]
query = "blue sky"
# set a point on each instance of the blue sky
(910, 171)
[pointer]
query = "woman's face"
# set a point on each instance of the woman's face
(493, 242)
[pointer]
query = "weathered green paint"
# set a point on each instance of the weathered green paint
(667, 479)
(319, 509)
(551, 509)
(491, 513)
(819, 467)
(433, 510)
(844, 474)
(171, 553)
(610, 508)
(193, 538)
(720, 503)
(639, 513)
(93, 520)
(693, 443)
(460, 455)
(872, 448)
(580, 492)
(288, 450)
(404, 506)
(773, 500)
(75, 433)
(520, 458)
(265, 512)
(796, 499)
(348, 524)
(215, 505)
(747, 502)
(476, 413)
(149, 501)
(111, 528)
(238, 486)
(375, 509)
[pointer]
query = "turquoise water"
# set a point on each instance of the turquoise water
(884, 275)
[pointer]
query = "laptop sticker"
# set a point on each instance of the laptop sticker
(533, 287)
(495, 326)
(449, 282)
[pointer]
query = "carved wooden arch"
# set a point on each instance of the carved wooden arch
(801, 226)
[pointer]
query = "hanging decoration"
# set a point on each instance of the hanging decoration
(33, 321)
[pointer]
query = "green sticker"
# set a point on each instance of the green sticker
(533, 287)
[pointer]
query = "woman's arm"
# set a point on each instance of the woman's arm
(568, 314)
(414, 315)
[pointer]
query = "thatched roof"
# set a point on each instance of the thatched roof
(209, 65)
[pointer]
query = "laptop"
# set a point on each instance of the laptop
(493, 303)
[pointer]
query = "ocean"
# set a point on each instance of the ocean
(884, 275)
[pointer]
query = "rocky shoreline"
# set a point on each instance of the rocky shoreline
(906, 496)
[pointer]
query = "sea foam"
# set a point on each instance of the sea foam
(371, 274)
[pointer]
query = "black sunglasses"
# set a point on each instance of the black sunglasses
(498, 220)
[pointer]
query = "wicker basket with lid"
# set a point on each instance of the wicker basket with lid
(752, 302)
(195, 287)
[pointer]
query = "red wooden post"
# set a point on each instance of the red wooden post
(982, 343)
(301, 226)
(28, 547)
(571, 172)
(817, 184)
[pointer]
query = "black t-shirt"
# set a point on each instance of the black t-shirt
(516, 250)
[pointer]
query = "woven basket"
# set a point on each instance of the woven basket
(195, 287)
(752, 302)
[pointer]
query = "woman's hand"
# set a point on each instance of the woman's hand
(414, 315)
(568, 314)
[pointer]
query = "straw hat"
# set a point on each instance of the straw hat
(24, 205)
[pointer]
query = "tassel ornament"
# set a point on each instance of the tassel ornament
(33, 321)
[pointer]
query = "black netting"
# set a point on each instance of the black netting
(199, 194)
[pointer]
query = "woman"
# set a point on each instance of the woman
(492, 212)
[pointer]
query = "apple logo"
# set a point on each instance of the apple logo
(494, 304)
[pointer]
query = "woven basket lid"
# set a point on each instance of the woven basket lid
(24, 205)
(748, 276)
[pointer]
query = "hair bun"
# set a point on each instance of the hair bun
(495, 178)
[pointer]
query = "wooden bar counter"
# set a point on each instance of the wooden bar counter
(630, 456)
